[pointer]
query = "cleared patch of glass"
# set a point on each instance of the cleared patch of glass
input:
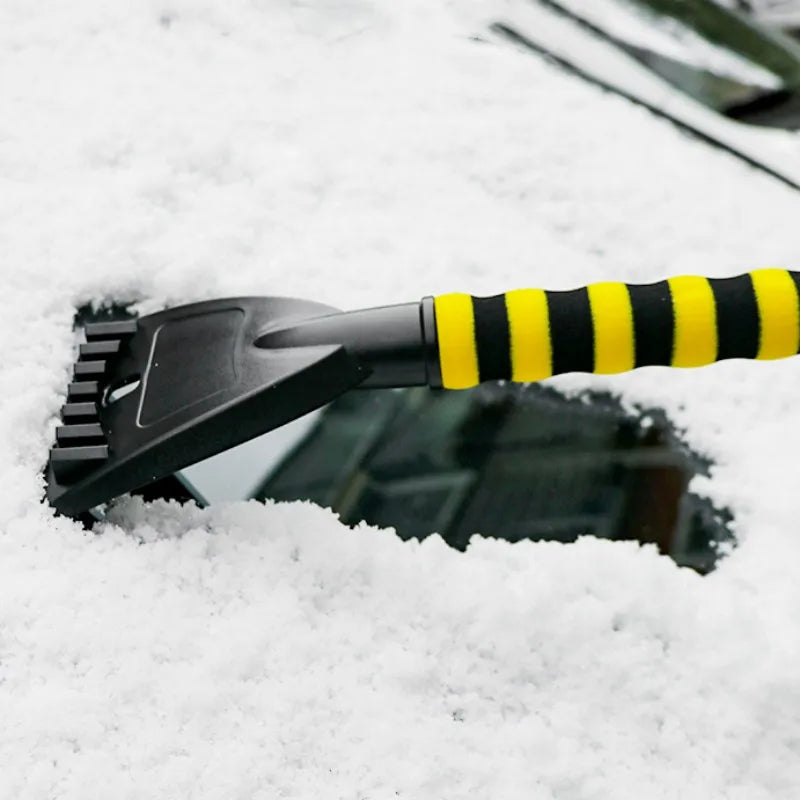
(512, 462)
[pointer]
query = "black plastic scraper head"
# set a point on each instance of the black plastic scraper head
(154, 395)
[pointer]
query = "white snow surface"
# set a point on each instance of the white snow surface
(361, 152)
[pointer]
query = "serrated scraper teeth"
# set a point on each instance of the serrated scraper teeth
(89, 369)
(80, 434)
(91, 351)
(72, 463)
(82, 390)
(79, 413)
(99, 331)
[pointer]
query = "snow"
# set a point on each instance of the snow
(359, 153)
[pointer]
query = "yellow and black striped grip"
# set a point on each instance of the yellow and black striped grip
(531, 334)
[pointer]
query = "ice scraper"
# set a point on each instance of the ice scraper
(153, 395)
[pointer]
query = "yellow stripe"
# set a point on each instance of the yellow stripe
(612, 317)
(529, 325)
(455, 329)
(695, 341)
(778, 312)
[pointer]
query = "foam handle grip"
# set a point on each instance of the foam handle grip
(531, 334)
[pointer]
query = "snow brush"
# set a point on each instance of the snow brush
(153, 395)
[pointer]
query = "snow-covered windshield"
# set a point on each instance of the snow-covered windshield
(163, 153)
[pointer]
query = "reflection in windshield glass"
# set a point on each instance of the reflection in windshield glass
(505, 461)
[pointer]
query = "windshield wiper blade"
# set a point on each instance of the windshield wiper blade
(569, 66)
(779, 108)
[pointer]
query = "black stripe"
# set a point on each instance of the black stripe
(571, 331)
(653, 323)
(738, 323)
(796, 279)
(492, 337)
